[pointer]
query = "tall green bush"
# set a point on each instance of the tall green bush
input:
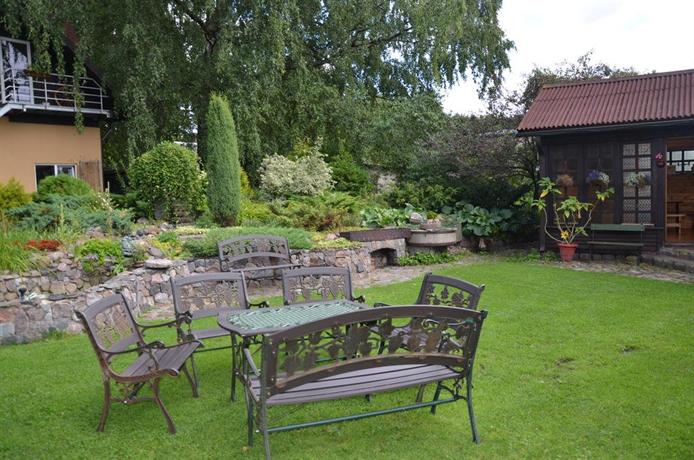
(169, 177)
(222, 163)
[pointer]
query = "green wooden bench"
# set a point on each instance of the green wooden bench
(609, 235)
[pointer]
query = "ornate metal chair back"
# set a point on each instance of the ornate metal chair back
(207, 293)
(111, 327)
(349, 342)
(451, 292)
(253, 251)
(316, 284)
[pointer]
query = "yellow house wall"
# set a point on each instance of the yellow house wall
(23, 145)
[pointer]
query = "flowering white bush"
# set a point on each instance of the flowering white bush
(307, 175)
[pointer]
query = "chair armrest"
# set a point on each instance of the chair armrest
(145, 347)
(249, 359)
(381, 304)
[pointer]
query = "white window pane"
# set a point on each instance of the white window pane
(676, 155)
(66, 169)
(689, 155)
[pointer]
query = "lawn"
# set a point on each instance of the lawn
(570, 364)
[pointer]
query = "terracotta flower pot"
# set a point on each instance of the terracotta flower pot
(567, 251)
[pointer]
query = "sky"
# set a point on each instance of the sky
(648, 35)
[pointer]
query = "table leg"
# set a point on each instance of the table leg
(234, 363)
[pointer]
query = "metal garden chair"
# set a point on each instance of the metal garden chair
(318, 284)
(115, 336)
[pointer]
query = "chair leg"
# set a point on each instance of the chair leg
(160, 403)
(420, 393)
(194, 367)
(264, 428)
(107, 405)
(437, 393)
(470, 410)
(193, 383)
(249, 418)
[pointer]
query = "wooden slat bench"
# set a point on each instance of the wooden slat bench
(337, 357)
(611, 236)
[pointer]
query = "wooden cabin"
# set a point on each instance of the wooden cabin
(634, 129)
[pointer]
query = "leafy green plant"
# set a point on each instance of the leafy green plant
(62, 184)
(222, 163)
(377, 217)
(569, 214)
(481, 222)
(319, 242)
(169, 177)
(101, 255)
(13, 195)
(429, 258)
(207, 245)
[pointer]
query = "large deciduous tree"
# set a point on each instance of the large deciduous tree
(292, 67)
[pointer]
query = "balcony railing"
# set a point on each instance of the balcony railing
(53, 92)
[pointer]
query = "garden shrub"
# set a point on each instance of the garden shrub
(101, 255)
(349, 176)
(222, 163)
(207, 245)
(13, 195)
(260, 213)
(308, 174)
(62, 184)
(71, 212)
(432, 197)
(169, 176)
(328, 211)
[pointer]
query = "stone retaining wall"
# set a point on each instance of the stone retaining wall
(53, 293)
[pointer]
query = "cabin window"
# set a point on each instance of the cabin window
(682, 161)
(636, 170)
(46, 170)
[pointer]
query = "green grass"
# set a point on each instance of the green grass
(570, 365)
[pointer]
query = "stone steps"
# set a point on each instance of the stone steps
(670, 262)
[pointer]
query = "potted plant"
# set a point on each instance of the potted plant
(565, 180)
(568, 216)
(638, 179)
(598, 178)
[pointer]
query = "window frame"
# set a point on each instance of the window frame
(55, 170)
(682, 162)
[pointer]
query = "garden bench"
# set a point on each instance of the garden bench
(318, 284)
(612, 236)
(257, 256)
(335, 358)
(114, 334)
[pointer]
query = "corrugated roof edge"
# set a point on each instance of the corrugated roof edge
(617, 79)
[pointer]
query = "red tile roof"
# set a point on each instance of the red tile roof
(644, 98)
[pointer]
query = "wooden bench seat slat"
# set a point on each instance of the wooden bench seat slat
(169, 358)
(370, 381)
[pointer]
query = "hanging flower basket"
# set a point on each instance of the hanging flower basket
(598, 178)
(638, 180)
(565, 180)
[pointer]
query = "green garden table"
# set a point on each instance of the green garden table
(248, 325)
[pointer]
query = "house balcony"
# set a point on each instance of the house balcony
(20, 91)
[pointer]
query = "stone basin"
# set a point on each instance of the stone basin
(435, 238)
